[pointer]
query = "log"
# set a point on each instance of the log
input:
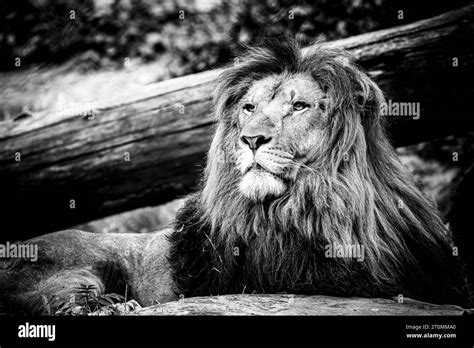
(283, 304)
(146, 147)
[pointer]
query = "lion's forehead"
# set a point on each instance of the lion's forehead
(284, 88)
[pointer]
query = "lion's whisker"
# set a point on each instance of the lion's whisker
(302, 165)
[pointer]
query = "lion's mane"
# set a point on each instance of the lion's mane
(225, 243)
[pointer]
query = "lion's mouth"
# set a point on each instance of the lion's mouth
(257, 167)
(260, 170)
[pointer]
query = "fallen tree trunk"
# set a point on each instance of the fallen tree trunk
(297, 305)
(62, 168)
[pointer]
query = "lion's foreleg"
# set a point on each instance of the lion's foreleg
(129, 264)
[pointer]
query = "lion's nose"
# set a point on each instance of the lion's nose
(255, 142)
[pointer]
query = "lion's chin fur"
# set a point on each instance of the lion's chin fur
(259, 185)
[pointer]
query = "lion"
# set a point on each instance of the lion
(299, 165)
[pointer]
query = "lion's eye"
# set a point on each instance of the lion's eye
(248, 108)
(298, 106)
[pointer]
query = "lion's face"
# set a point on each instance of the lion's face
(281, 120)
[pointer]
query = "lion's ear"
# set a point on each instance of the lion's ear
(369, 98)
(354, 101)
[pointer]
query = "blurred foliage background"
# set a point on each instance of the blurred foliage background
(61, 52)
(196, 35)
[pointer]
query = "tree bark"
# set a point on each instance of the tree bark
(147, 147)
(297, 305)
